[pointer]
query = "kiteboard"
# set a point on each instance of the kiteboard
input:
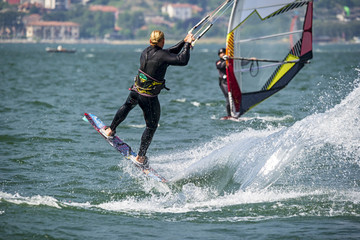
(122, 147)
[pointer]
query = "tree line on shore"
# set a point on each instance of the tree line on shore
(132, 24)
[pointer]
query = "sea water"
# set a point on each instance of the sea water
(289, 170)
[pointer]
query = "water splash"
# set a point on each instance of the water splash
(34, 200)
(256, 159)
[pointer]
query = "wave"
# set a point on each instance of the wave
(255, 205)
(35, 200)
(257, 158)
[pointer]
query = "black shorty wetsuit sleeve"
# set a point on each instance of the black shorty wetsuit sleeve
(221, 67)
(221, 64)
(180, 59)
(177, 47)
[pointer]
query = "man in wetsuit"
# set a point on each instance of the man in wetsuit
(221, 67)
(149, 82)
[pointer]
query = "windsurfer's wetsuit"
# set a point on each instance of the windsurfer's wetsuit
(148, 83)
(221, 67)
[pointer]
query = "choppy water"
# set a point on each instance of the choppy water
(290, 170)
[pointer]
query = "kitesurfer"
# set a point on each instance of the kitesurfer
(149, 82)
(221, 67)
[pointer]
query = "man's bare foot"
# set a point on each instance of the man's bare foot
(140, 159)
(108, 131)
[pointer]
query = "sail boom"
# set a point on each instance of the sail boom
(269, 36)
(264, 66)
(265, 60)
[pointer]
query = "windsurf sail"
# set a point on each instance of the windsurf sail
(268, 42)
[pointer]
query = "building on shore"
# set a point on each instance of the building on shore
(48, 4)
(52, 30)
(180, 11)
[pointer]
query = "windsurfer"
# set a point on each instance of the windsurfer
(149, 82)
(221, 67)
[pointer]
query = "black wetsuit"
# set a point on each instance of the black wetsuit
(221, 66)
(153, 61)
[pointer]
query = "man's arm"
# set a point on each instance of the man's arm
(177, 47)
(180, 59)
(220, 64)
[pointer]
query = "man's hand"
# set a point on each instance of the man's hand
(225, 57)
(189, 38)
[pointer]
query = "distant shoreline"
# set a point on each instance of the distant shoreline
(114, 42)
(141, 41)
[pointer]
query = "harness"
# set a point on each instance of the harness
(145, 84)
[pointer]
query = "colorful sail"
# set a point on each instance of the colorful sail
(268, 42)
